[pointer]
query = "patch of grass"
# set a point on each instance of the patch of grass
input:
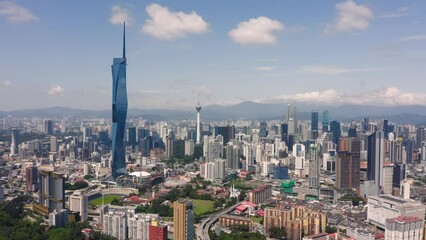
(107, 199)
(256, 219)
(202, 207)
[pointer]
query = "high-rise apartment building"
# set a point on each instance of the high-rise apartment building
(189, 147)
(407, 228)
(183, 220)
(348, 164)
(157, 231)
(115, 224)
(31, 177)
(314, 168)
(119, 113)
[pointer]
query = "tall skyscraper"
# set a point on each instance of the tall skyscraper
(131, 136)
(48, 127)
(376, 159)
(291, 119)
(314, 124)
(348, 164)
(325, 121)
(31, 177)
(335, 129)
(198, 108)
(15, 142)
(314, 168)
(119, 112)
(183, 220)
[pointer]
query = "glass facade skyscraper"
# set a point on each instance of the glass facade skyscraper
(119, 112)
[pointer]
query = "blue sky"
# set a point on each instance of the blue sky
(58, 53)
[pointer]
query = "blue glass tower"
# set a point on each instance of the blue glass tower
(119, 112)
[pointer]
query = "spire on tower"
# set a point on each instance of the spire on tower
(124, 40)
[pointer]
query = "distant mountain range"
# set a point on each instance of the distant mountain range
(244, 110)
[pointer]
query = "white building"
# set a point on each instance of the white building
(384, 207)
(189, 147)
(139, 226)
(115, 224)
(212, 148)
(387, 178)
(79, 203)
(407, 228)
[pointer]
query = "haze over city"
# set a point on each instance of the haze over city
(328, 52)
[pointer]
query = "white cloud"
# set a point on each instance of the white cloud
(256, 31)
(120, 14)
(6, 84)
(265, 68)
(413, 38)
(55, 89)
(389, 96)
(333, 70)
(15, 13)
(350, 16)
(167, 25)
(400, 12)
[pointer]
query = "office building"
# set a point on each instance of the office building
(233, 153)
(398, 174)
(407, 228)
(119, 113)
(48, 127)
(280, 171)
(336, 130)
(314, 124)
(325, 122)
(78, 202)
(31, 179)
(58, 218)
(376, 160)
(51, 190)
(420, 137)
(131, 136)
(291, 120)
(227, 132)
(183, 220)
(383, 207)
(169, 146)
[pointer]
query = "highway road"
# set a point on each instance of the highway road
(202, 231)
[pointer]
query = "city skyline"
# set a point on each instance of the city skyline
(338, 52)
